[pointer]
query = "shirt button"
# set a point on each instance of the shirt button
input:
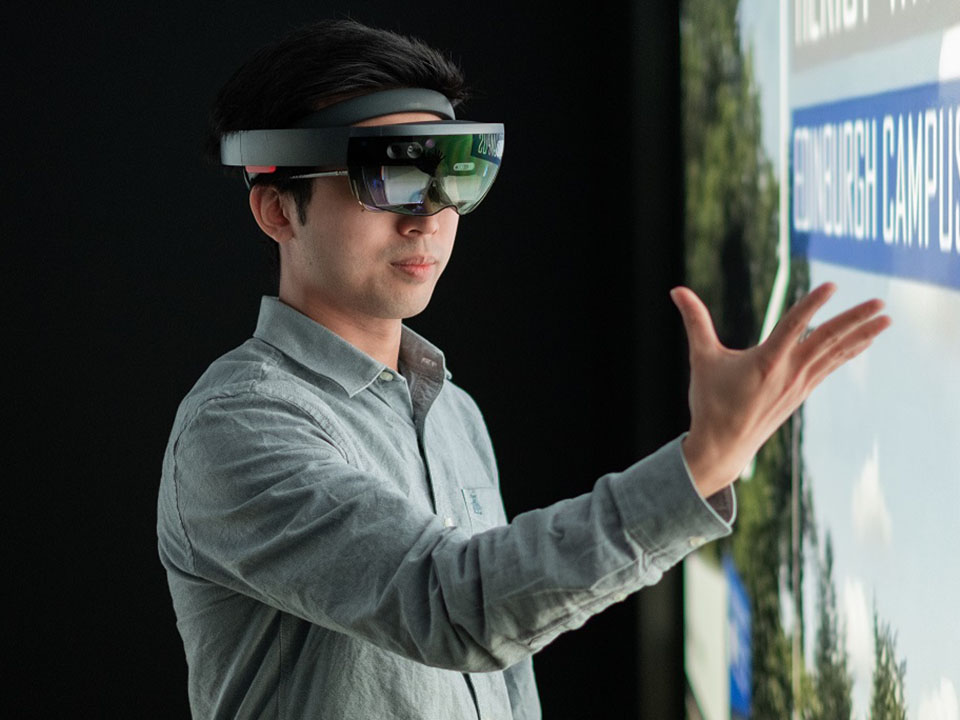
(448, 522)
(385, 376)
(696, 541)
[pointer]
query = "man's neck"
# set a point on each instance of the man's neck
(377, 337)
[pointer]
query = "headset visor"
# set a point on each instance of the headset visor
(423, 174)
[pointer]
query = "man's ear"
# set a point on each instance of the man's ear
(271, 212)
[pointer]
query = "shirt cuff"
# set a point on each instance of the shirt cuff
(724, 502)
(662, 510)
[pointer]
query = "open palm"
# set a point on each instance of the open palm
(738, 398)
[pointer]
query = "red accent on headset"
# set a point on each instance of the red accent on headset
(261, 168)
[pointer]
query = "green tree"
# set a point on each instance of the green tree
(730, 240)
(833, 679)
(886, 701)
(732, 195)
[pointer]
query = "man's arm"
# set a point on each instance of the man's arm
(738, 398)
(268, 506)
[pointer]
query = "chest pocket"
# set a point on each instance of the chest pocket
(482, 506)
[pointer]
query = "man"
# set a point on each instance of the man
(329, 512)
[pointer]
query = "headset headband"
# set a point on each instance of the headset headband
(322, 137)
(382, 102)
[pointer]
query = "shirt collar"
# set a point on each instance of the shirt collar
(326, 353)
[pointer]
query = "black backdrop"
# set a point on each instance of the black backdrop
(129, 266)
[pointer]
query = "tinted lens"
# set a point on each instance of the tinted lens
(421, 175)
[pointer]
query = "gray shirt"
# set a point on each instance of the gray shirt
(336, 546)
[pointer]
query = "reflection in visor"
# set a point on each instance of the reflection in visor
(455, 171)
(398, 185)
(403, 185)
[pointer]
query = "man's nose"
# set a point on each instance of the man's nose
(418, 224)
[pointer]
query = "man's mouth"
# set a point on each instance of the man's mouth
(416, 260)
(419, 267)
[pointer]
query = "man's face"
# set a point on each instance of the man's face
(363, 264)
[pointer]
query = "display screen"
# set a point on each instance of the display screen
(822, 143)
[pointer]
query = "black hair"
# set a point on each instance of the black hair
(315, 66)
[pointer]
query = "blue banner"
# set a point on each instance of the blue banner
(875, 183)
(738, 620)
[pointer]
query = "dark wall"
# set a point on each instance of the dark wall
(130, 266)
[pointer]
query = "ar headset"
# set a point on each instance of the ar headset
(415, 168)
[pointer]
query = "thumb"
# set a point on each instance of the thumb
(701, 334)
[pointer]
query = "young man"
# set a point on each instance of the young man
(329, 513)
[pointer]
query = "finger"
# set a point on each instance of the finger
(696, 319)
(851, 345)
(827, 368)
(794, 323)
(828, 334)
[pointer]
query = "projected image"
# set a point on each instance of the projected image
(876, 208)
(837, 591)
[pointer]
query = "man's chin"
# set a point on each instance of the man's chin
(404, 310)
(414, 312)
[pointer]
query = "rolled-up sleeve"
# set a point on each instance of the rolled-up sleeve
(270, 506)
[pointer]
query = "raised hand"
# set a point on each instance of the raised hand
(738, 398)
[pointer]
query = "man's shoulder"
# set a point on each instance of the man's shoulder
(458, 396)
(253, 373)
(460, 404)
(233, 372)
